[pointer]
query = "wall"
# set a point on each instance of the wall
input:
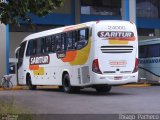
(128, 10)
(61, 16)
(15, 40)
(2, 50)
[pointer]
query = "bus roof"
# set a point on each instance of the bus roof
(53, 31)
(61, 29)
(149, 41)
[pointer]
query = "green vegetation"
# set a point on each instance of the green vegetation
(14, 11)
(10, 111)
(9, 108)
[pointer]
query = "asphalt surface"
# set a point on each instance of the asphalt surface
(120, 100)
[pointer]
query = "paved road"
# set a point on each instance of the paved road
(120, 100)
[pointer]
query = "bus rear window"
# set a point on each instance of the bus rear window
(83, 38)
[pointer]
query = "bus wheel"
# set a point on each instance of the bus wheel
(103, 89)
(66, 84)
(29, 83)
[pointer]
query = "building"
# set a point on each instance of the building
(147, 20)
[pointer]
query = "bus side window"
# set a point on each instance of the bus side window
(29, 48)
(143, 51)
(39, 46)
(69, 41)
(34, 52)
(74, 39)
(152, 49)
(17, 54)
(82, 38)
(47, 44)
(42, 45)
(63, 36)
(58, 42)
(21, 54)
(53, 45)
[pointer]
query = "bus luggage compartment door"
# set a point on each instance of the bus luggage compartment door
(83, 75)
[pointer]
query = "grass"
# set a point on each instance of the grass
(10, 111)
(9, 108)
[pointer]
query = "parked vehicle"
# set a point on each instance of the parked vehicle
(95, 54)
(149, 60)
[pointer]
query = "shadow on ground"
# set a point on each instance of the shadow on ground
(87, 92)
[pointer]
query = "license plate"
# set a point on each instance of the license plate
(118, 78)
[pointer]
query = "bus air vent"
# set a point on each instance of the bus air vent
(126, 72)
(116, 49)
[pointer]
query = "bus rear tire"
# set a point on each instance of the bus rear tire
(67, 85)
(103, 89)
(60, 88)
(29, 84)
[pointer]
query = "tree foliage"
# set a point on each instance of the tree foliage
(14, 11)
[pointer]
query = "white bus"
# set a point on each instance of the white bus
(95, 54)
(149, 54)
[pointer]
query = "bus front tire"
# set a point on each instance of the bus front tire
(103, 89)
(29, 84)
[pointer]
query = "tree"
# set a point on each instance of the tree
(14, 11)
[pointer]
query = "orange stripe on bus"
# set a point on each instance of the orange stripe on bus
(33, 67)
(124, 39)
(70, 56)
(69, 29)
(74, 27)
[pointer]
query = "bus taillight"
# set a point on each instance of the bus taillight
(95, 67)
(136, 66)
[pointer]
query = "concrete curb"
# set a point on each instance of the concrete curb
(137, 85)
(14, 88)
(26, 88)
